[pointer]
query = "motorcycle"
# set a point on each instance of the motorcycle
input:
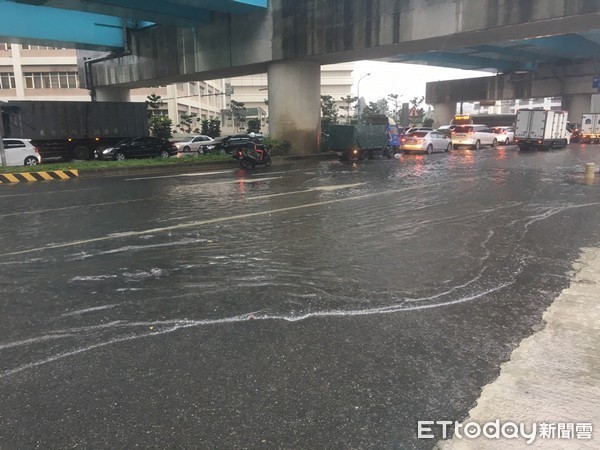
(252, 155)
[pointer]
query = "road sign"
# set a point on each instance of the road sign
(413, 112)
(596, 83)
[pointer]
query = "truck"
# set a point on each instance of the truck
(73, 130)
(590, 128)
(541, 129)
(378, 136)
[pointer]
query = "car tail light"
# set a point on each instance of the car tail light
(471, 132)
(35, 149)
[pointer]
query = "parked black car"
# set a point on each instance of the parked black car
(228, 144)
(138, 147)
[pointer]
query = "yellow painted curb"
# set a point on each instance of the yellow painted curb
(38, 176)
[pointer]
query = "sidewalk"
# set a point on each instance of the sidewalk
(553, 377)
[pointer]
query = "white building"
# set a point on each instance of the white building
(252, 90)
(31, 72)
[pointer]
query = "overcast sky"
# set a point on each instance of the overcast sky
(407, 80)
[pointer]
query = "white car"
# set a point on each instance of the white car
(192, 145)
(20, 152)
(473, 136)
(504, 135)
(425, 141)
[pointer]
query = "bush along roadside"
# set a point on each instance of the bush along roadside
(94, 165)
(277, 147)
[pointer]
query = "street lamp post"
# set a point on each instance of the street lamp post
(358, 93)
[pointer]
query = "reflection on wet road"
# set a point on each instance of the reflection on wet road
(468, 246)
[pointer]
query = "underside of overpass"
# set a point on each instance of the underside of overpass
(163, 41)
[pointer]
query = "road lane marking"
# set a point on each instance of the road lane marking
(195, 174)
(215, 220)
(48, 192)
(39, 211)
(313, 189)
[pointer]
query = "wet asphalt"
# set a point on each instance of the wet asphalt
(317, 304)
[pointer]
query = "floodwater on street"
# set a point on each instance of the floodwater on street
(315, 304)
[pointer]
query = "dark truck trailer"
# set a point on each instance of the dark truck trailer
(73, 130)
(356, 142)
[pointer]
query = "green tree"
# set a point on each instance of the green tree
(205, 127)
(238, 110)
(416, 103)
(395, 106)
(187, 123)
(161, 126)
(153, 103)
(349, 101)
(253, 125)
(329, 112)
(378, 107)
(214, 128)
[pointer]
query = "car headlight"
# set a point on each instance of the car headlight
(107, 151)
(209, 147)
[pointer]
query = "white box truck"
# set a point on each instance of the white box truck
(590, 127)
(538, 128)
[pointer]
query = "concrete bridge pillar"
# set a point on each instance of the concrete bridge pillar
(295, 104)
(443, 113)
(595, 103)
(576, 105)
(112, 94)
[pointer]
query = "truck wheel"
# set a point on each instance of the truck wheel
(31, 161)
(365, 155)
(119, 156)
(82, 153)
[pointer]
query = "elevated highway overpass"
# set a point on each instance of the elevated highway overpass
(290, 39)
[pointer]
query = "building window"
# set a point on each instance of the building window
(41, 47)
(52, 80)
(7, 80)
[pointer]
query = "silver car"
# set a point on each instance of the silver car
(192, 145)
(425, 141)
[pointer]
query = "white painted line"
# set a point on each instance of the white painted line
(195, 174)
(198, 223)
(318, 188)
(39, 211)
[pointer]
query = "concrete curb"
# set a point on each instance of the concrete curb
(552, 378)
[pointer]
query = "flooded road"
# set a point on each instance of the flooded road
(310, 305)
